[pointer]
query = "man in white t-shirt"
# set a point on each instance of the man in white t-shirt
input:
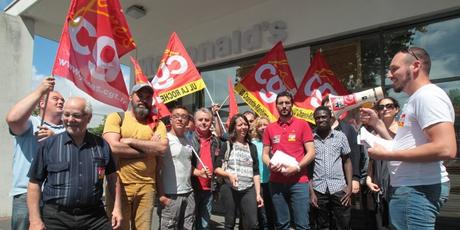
(177, 202)
(425, 138)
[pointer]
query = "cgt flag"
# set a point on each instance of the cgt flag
(161, 109)
(271, 76)
(94, 37)
(177, 76)
(232, 106)
(319, 80)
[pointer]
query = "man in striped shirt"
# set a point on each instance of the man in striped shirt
(71, 166)
(330, 190)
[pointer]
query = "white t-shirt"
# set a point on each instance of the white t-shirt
(427, 106)
(177, 166)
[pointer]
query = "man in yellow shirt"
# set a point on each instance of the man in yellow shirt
(136, 139)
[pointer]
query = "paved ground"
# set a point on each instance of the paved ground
(217, 222)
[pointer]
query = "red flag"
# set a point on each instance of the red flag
(94, 37)
(177, 76)
(161, 109)
(139, 76)
(272, 75)
(232, 106)
(319, 80)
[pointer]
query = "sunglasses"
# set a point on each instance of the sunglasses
(410, 52)
(387, 106)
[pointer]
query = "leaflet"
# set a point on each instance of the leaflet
(369, 139)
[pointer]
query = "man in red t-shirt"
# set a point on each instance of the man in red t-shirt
(289, 182)
(207, 147)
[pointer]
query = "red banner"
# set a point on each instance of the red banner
(271, 76)
(177, 76)
(317, 82)
(139, 77)
(232, 106)
(94, 37)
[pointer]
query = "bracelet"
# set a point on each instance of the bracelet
(298, 168)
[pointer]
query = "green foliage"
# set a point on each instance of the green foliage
(99, 129)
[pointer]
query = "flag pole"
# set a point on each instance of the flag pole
(224, 101)
(217, 112)
(46, 104)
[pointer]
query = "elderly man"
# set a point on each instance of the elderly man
(28, 132)
(207, 146)
(136, 138)
(71, 167)
(424, 139)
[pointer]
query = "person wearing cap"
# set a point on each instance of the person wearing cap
(137, 138)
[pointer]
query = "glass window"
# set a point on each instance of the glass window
(440, 39)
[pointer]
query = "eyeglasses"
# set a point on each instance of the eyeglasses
(74, 115)
(176, 116)
(387, 106)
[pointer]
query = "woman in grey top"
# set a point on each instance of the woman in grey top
(238, 165)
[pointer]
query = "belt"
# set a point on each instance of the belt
(75, 210)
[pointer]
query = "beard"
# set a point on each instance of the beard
(141, 111)
(402, 82)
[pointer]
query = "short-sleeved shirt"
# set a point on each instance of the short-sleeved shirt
(73, 175)
(136, 170)
(290, 138)
(25, 148)
(328, 175)
(429, 105)
(263, 169)
(176, 170)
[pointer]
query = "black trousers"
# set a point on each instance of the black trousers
(265, 214)
(245, 202)
(330, 210)
(56, 217)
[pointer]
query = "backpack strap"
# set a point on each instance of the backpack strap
(122, 117)
(227, 151)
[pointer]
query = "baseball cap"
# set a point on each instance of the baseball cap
(137, 87)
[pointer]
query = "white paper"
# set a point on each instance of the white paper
(280, 157)
(367, 138)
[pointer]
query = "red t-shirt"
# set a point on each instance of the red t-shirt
(288, 137)
(205, 155)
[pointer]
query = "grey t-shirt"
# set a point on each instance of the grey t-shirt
(177, 166)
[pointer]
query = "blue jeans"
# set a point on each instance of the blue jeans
(416, 207)
(203, 201)
(20, 214)
(295, 196)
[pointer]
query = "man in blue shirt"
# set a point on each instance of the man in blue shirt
(331, 187)
(71, 167)
(27, 132)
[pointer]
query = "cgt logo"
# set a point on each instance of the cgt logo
(174, 65)
(103, 62)
(316, 88)
(272, 82)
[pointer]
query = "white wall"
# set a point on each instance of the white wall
(16, 45)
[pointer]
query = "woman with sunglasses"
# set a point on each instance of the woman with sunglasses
(239, 166)
(378, 178)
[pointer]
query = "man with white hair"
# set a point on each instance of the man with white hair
(70, 167)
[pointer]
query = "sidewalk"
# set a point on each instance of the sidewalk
(217, 222)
